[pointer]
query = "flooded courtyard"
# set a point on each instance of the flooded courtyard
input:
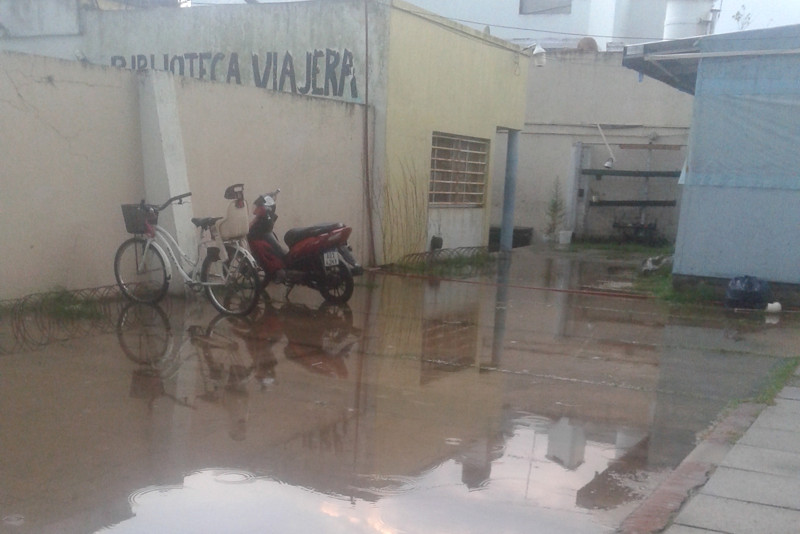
(533, 398)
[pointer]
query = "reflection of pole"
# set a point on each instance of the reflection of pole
(564, 275)
(530, 464)
(367, 328)
(500, 307)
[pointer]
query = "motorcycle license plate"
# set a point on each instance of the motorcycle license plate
(331, 258)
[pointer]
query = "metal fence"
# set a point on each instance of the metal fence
(38, 320)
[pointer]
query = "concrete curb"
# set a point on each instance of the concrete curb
(656, 512)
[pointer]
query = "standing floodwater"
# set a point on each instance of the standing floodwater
(524, 400)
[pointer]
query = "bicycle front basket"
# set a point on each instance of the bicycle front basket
(136, 218)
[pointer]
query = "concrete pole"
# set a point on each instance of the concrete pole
(509, 192)
(164, 161)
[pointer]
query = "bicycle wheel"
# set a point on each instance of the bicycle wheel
(141, 273)
(233, 285)
(145, 335)
(226, 345)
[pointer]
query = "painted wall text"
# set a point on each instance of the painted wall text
(323, 73)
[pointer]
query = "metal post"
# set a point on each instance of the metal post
(509, 191)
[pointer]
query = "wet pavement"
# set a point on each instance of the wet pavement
(533, 399)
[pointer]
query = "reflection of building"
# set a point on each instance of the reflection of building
(431, 341)
(563, 422)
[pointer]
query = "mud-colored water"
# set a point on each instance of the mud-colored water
(525, 400)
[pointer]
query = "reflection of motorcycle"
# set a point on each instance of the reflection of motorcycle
(318, 256)
(319, 339)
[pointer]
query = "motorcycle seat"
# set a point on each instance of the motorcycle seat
(295, 235)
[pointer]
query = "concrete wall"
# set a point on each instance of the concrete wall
(270, 46)
(71, 143)
(443, 78)
(71, 149)
(566, 100)
(309, 148)
(314, 48)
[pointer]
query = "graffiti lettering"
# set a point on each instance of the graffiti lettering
(269, 69)
(233, 69)
(338, 69)
(287, 72)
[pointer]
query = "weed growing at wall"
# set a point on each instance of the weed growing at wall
(405, 222)
(62, 304)
(555, 210)
(659, 284)
(778, 377)
(448, 263)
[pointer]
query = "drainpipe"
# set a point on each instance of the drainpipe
(509, 191)
(368, 193)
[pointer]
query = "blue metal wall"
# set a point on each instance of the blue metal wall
(740, 210)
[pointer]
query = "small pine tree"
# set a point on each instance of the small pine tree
(555, 210)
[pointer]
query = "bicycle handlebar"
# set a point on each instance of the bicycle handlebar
(178, 199)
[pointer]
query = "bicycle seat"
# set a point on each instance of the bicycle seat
(205, 222)
(236, 222)
(296, 235)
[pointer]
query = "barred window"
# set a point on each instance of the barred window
(458, 170)
(545, 7)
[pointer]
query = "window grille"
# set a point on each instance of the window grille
(545, 7)
(458, 170)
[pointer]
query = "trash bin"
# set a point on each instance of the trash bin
(747, 292)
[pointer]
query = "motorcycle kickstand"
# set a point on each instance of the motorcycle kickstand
(289, 288)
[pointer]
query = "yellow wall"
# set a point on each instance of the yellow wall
(441, 77)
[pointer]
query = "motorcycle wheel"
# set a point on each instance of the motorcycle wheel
(337, 286)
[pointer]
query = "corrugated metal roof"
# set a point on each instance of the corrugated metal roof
(675, 62)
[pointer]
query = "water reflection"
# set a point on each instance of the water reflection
(507, 479)
(405, 402)
(472, 406)
(214, 363)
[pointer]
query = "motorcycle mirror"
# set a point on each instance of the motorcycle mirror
(265, 200)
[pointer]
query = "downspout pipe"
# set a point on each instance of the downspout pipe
(368, 185)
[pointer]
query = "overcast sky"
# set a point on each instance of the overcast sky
(763, 13)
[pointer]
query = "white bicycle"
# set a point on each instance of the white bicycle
(228, 273)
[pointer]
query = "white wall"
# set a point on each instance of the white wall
(567, 98)
(71, 143)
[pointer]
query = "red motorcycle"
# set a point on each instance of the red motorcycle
(318, 256)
